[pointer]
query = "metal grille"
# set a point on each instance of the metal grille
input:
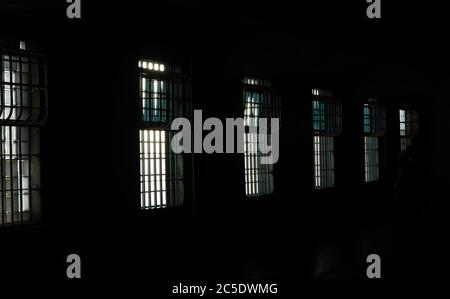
(23, 88)
(327, 123)
(327, 114)
(161, 175)
(22, 110)
(371, 159)
(374, 126)
(405, 142)
(164, 95)
(258, 102)
(154, 100)
(258, 177)
(374, 118)
(409, 127)
(324, 171)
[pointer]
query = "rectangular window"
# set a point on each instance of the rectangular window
(319, 116)
(371, 160)
(258, 176)
(402, 122)
(154, 96)
(161, 171)
(374, 128)
(162, 98)
(409, 127)
(324, 172)
(258, 102)
(405, 140)
(367, 119)
(23, 111)
(371, 169)
(326, 124)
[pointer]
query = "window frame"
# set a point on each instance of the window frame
(23, 112)
(374, 129)
(177, 97)
(259, 179)
(326, 123)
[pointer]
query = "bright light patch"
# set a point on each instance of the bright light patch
(151, 65)
(324, 176)
(371, 159)
(153, 168)
(258, 177)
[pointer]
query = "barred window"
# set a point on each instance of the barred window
(164, 95)
(324, 172)
(374, 127)
(371, 159)
(258, 102)
(327, 124)
(23, 110)
(409, 126)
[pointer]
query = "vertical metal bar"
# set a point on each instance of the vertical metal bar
(170, 201)
(2, 111)
(154, 204)
(2, 177)
(30, 177)
(160, 169)
(19, 143)
(11, 174)
(19, 174)
(141, 168)
(29, 136)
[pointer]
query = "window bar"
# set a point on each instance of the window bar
(30, 178)
(3, 183)
(20, 174)
(19, 131)
(154, 188)
(169, 170)
(153, 145)
(2, 168)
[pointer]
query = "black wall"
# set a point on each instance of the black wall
(90, 150)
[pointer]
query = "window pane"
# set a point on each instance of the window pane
(161, 172)
(324, 171)
(23, 111)
(326, 123)
(371, 159)
(258, 176)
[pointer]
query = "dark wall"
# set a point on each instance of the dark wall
(90, 150)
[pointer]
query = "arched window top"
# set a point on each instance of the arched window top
(23, 98)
